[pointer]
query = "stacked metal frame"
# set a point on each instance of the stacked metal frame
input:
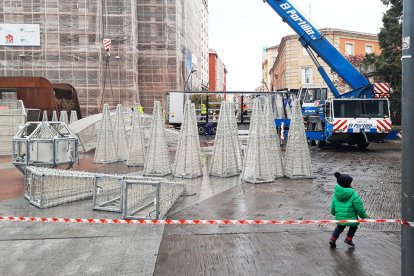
(12, 117)
(157, 161)
(136, 152)
(121, 140)
(105, 151)
(187, 162)
(297, 156)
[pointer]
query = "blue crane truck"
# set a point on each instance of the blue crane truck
(355, 117)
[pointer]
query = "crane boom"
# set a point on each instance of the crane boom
(311, 38)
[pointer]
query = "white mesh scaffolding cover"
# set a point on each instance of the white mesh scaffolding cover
(120, 137)
(256, 167)
(136, 153)
(275, 154)
(73, 117)
(54, 116)
(12, 117)
(297, 160)
(64, 117)
(45, 118)
(157, 161)
(105, 151)
(187, 158)
(224, 162)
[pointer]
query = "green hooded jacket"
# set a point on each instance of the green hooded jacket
(346, 204)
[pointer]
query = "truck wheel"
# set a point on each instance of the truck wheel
(320, 144)
(362, 144)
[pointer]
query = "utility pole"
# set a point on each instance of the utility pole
(407, 191)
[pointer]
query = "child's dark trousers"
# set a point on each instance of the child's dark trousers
(340, 228)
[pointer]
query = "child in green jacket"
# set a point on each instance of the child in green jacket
(346, 205)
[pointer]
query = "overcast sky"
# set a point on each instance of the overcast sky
(239, 29)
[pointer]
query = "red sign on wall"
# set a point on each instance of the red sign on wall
(9, 39)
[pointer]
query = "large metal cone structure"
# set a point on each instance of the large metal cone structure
(73, 117)
(45, 118)
(275, 154)
(224, 162)
(136, 153)
(105, 151)
(235, 135)
(297, 161)
(157, 161)
(257, 167)
(64, 117)
(120, 136)
(54, 116)
(187, 162)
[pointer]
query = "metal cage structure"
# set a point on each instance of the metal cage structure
(47, 144)
(12, 117)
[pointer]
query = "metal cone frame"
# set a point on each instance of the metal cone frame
(187, 162)
(45, 118)
(136, 153)
(105, 151)
(235, 135)
(120, 137)
(157, 161)
(275, 154)
(297, 161)
(73, 117)
(224, 162)
(257, 168)
(54, 116)
(64, 117)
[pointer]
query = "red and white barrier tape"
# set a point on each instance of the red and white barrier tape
(200, 222)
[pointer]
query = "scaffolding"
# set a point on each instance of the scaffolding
(12, 117)
(155, 46)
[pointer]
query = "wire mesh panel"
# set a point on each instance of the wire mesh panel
(50, 187)
(157, 161)
(297, 161)
(235, 135)
(105, 151)
(187, 159)
(168, 194)
(108, 193)
(121, 141)
(275, 154)
(12, 117)
(256, 167)
(224, 162)
(136, 153)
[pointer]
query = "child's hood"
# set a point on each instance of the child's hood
(343, 194)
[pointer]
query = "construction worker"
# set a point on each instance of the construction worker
(204, 111)
(141, 109)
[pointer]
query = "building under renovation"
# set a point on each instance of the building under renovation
(156, 46)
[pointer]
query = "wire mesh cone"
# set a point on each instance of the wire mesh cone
(257, 167)
(45, 118)
(224, 161)
(136, 153)
(105, 151)
(54, 116)
(297, 162)
(187, 162)
(73, 117)
(235, 135)
(157, 161)
(120, 137)
(64, 117)
(275, 154)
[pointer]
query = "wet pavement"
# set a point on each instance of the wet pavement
(74, 249)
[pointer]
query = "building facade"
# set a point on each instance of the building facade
(294, 68)
(269, 58)
(217, 73)
(156, 47)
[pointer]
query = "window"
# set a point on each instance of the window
(369, 49)
(361, 109)
(349, 48)
(307, 75)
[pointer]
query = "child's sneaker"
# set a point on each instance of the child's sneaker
(349, 242)
(332, 242)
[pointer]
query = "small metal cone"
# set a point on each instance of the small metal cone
(187, 162)
(120, 137)
(275, 154)
(157, 161)
(297, 162)
(257, 167)
(105, 151)
(136, 153)
(224, 162)
(73, 117)
(64, 117)
(44, 118)
(54, 116)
